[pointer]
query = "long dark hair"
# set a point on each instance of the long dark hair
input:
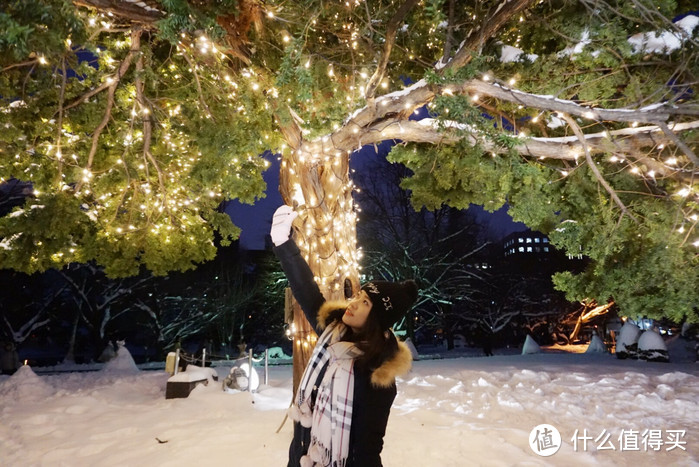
(376, 343)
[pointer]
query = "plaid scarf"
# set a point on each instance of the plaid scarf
(330, 372)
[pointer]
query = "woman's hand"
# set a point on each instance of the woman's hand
(281, 224)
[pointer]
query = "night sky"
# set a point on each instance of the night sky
(255, 220)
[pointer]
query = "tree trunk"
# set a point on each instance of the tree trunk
(578, 326)
(314, 179)
(304, 339)
(70, 355)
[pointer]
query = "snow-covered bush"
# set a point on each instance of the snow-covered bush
(108, 353)
(627, 343)
(123, 361)
(651, 347)
(530, 346)
(596, 345)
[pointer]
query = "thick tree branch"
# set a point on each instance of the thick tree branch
(386, 121)
(628, 142)
(550, 103)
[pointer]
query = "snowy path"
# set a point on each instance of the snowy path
(457, 412)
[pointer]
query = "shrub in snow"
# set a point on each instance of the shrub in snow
(596, 345)
(530, 346)
(108, 353)
(123, 362)
(627, 342)
(651, 347)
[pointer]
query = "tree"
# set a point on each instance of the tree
(436, 248)
(27, 303)
(97, 301)
(133, 126)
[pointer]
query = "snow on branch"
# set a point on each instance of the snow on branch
(628, 141)
(135, 10)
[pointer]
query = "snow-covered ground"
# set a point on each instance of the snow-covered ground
(449, 412)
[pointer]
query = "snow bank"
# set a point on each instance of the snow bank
(448, 413)
(25, 386)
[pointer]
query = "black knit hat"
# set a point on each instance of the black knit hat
(390, 300)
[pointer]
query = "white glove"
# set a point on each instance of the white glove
(281, 224)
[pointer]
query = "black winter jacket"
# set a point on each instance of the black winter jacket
(374, 391)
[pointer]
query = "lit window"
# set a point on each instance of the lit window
(537, 240)
(529, 240)
(520, 240)
(521, 249)
(529, 249)
(546, 249)
(546, 240)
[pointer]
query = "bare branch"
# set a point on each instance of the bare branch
(449, 40)
(579, 133)
(194, 67)
(59, 126)
(147, 113)
(135, 46)
(680, 144)
(477, 37)
(17, 65)
(391, 30)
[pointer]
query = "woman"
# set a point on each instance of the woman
(341, 407)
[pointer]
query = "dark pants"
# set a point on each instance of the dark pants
(299, 445)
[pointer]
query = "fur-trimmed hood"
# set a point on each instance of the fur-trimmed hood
(398, 364)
